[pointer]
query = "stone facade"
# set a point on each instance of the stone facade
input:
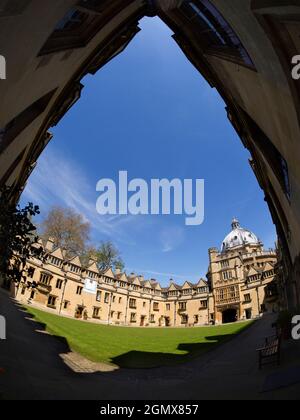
(240, 285)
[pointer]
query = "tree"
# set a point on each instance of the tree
(18, 239)
(106, 256)
(67, 229)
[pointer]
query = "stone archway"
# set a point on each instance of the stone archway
(243, 49)
(229, 315)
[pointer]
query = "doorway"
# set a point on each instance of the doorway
(229, 316)
(143, 318)
(248, 313)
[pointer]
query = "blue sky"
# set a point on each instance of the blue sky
(149, 112)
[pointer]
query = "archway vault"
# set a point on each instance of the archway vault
(243, 48)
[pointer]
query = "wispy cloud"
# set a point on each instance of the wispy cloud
(59, 180)
(170, 275)
(171, 237)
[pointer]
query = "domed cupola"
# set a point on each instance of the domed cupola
(238, 237)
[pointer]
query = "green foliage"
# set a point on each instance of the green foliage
(106, 256)
(17, 237)
(67, 229)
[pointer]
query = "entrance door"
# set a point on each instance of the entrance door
(228, 316)
(248, 313)
(167, 321)
(79, 312)
(143, 317)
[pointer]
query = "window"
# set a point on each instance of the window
(23, 120)
(132, 303)
(196, 319)
(225, 264)
(152, 318)
(98, 296)
(184, 319)
(66, 304)
(114, 299)
(106, 298)
(79, 25)
(182, 306)
(72, 20)
(247, 298)
(59, 283)
(96, 311)
(31, 271)
(75, 269)
(23, 290)
(45, 279)
(213, 31)
(55, 261)
(227, 275)
(202, 290)
(52, 301)
(155, 306)
(203, 304)
(120, 299)
(79, 290)
(168, 307)
(187, 291)
(133, 317)
(112, 313)
(144, 304)
(272, 155)
(119, 315)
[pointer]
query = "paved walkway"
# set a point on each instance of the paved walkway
(36, 367)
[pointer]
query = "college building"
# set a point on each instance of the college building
(240, 284)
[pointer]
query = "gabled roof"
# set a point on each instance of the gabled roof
(268, 266)
(136, 281)
(202, 283)
(93, 267)
(75, 261)
(187, 285)
(252, 272)
(148, 284)
(58, 253)
(174, 286)
(108, 273)
(121, 277)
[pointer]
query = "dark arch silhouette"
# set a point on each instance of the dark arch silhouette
(244, 52)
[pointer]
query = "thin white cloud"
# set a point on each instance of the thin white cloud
(171, 237)
(58, 180)
(170, 275)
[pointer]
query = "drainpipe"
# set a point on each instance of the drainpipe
(126, 308)
(63, 294)
(258, 303)
(109, 309)
(150, 310)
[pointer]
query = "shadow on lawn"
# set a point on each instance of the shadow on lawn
(135, 359)
(139, 359)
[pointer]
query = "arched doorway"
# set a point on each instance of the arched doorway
(229, 315)
(226, 56)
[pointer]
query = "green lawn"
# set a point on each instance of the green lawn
(136, 347)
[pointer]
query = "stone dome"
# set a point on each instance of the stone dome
(238, 237)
